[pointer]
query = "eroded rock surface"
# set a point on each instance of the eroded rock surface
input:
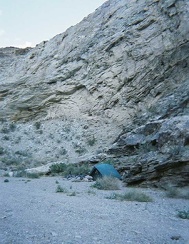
(121, 68)
(155, 153)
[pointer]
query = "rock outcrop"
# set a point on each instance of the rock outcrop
(121, 71)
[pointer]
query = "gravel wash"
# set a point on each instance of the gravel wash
(32, 212)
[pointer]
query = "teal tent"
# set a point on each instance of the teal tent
(102, 169)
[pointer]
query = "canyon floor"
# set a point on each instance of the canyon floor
(31, 211)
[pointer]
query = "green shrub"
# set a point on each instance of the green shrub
(12, 127)
(107, 183)
(61, 189)
(2, 151)
(6, 138)
(37, 125)
(72, 194)
(80, 150)
(5, 130)
(183, 214)
(91, 141)
(33, 175)
(174, 192)
(11, 160)
(63, 151)
(91, 192)
(57, 168)
(69, 169)
(131, 196)
(23, 173)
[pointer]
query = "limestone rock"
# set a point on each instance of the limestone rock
(122, 67)
(158, 152)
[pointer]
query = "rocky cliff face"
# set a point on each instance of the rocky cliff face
(119, 77)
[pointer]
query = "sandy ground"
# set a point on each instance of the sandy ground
(32, 212)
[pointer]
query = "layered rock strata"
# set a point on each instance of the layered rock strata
(123, 67)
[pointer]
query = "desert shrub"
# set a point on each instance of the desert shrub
(57, 168)
(91, 192)
(107, 183)
(69, 169)
(12, 127)
(174, 192)
(8, 160)
(72, 194)
(75, 169)
(91, 141)
(5, 130)
(80, 150)
(23, 173)
(22, 153)
(2, 151)
(61, 189)
(20, 173)
(131, 196)
(18, 140)
(63, 151)
(183, 214)
(33, 175)
(40, 132)
(6, 138)
(37, 125)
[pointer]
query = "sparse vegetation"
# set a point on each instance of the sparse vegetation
(33, 175)
(18, 140)
(12, 127)
(80, 150)
(57, 168)
(91, 141)
(72, 194)
(91, 192)
(2, 151)
(9, 160)
(107, 183)
(174, 192)
(22, 153)
(61, 189)
(23, 173)
(69, 169)
(37, 125)
(5, 130)
(63, 151)
(6, 138)
(131, 196)
(183, 214)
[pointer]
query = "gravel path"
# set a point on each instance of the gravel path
(32, 212)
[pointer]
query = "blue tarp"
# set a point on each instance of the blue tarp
(105, 170)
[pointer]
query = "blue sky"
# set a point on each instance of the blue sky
(29, 22)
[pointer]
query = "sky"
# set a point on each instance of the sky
(28, 22)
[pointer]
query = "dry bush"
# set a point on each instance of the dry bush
(107, 183)
(174, 192)
(131, 196)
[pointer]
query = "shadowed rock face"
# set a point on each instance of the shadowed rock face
(122, 68)
(155, 153)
